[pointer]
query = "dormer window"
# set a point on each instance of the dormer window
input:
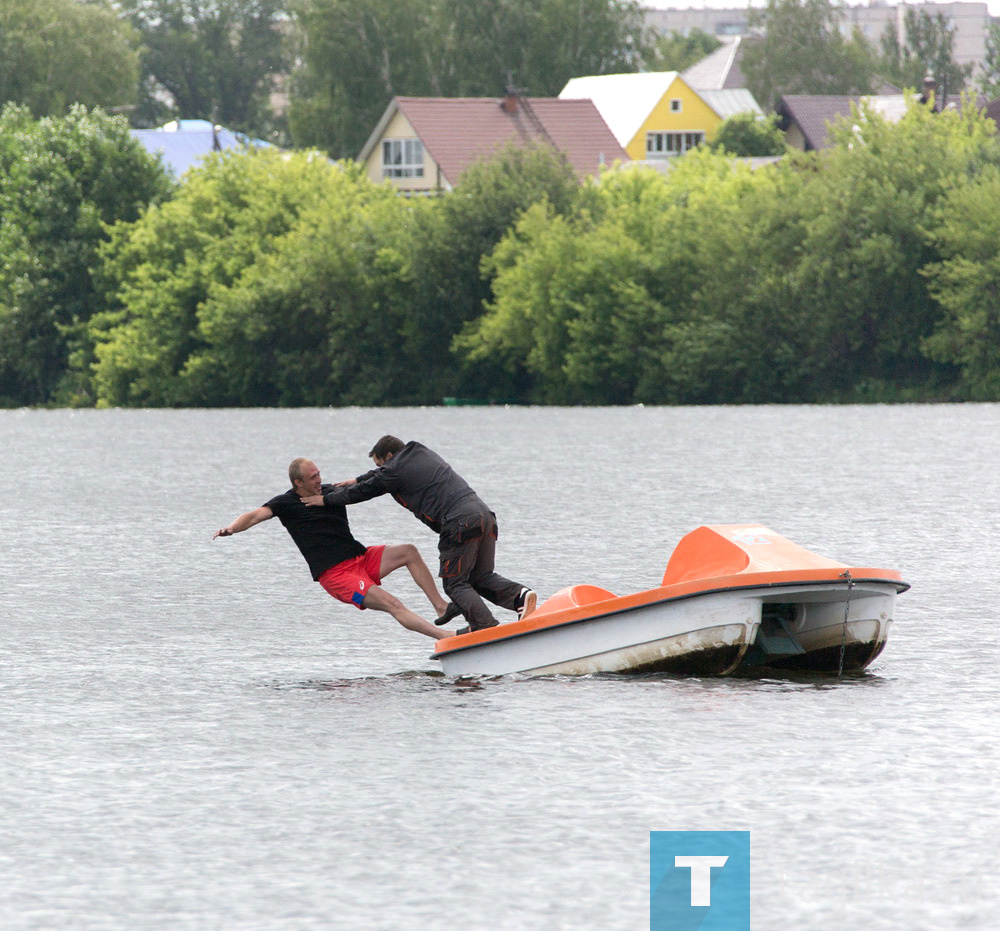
(402, 158)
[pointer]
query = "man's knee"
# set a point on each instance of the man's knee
(398, 554)
(381, 600)
(404, 552)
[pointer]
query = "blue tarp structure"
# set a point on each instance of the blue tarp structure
(183, 142)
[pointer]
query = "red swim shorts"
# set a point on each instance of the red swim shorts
(349, 581)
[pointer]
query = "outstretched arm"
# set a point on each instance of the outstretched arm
(245, 521)
(363, 488)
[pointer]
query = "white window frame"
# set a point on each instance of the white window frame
(676, 105)
(402, 158)
(671, 144)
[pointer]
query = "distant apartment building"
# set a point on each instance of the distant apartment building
(969, 20)
(718, 23)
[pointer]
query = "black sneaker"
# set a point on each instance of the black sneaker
(528, 602)
(450, 613)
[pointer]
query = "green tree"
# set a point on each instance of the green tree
(858, 263)
(453, 283)
(290, 281)
(54, 53)
(358, 54)
(676, 51)
(61, 180)
(378, 285)
(989, 78)
(318, 320)
(748, 135)
(966, 283)
(173, 333)
(214, 59)
(928, 47)
(599, 306)
(802, 51)
(800, 282)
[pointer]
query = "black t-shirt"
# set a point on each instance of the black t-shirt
(322, 533)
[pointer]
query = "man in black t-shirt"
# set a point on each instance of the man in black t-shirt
(348, 570)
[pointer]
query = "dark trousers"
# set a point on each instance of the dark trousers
(468, 551)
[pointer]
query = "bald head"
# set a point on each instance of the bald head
(297, 468)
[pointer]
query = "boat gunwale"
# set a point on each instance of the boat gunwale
(570, 616)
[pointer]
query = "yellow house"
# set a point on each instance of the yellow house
(657, 114)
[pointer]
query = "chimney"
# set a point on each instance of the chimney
(509, 103)
(929, 91)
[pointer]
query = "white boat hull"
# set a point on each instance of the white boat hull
(712, 633)
(707, 635)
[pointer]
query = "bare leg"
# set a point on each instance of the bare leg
(406, 554)
(381, 600)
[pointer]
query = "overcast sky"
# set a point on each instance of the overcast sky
(994, 5)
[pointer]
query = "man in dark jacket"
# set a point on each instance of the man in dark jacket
(421, 481)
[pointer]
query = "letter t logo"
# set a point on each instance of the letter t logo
(701, 876)
(699, 879)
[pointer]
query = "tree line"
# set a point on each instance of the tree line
(302, 73)
(866, 272)
(319, 73)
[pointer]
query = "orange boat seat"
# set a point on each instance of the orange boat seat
(574, 596)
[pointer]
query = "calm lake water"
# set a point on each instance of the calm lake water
(194, 735)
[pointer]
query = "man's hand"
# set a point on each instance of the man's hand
(314, 501)
(345, 483)
(224, 532)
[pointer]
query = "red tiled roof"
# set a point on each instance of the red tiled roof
(457, 131)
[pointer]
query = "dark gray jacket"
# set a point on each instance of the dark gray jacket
(420, 480)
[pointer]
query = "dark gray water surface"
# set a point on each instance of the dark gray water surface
(194, 735)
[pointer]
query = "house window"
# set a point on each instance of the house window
(675, 105)
(665, 145)
(402, 158)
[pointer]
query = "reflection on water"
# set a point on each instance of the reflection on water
(196, 736)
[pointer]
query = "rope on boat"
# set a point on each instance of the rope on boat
(847, 607)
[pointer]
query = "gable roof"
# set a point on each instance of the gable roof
(182, 143)
(813, 112)
(719, 70)
(626, 100)
(458, 131)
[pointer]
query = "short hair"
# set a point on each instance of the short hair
(386, 446)
(295, 469)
